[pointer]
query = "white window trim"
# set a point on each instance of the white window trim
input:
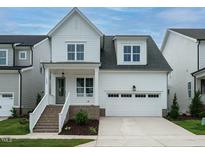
(131, 45)
(75, 52)
(84, 94)
(20, 52)
(6, 57)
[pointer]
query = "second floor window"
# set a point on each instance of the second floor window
(3, 57)
(131, 53)
(22, 55)
(75, 51)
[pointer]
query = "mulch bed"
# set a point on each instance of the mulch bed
(71, 128)
(185, 117)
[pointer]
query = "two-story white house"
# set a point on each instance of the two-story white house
(121, 75)
(184, 51)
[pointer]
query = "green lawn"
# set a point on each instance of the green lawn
(14, 127)
(43, 142)
(193, 126)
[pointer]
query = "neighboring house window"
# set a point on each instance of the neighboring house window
(22, 55)
(131, 53)
(3, 57)
(75, 51)
(84, 87)
(202, 86)
(189, 89)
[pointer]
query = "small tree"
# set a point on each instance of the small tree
(196, 105)
(174, 113)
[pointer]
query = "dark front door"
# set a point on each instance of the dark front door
(60, 90)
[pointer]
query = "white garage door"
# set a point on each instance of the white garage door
(6, 104)
(126, 104)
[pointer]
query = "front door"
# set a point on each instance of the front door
(60, 90)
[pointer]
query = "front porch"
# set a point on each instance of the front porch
(73, 86)
(200, 83)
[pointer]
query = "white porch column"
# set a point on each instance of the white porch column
(96, 83)
(47, 81)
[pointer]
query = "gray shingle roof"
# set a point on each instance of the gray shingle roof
(26, 40)
(13, 67)
(198, 34)
(155, 59)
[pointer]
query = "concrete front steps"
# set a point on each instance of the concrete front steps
(48, 122)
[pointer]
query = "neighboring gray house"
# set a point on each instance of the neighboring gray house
(184, 49)
(21, 76)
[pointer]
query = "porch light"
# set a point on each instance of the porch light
(134, 88)
(62, 74)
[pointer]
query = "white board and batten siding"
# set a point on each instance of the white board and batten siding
(121, 83)
(75, 30)
(202, 54)
(181, 54)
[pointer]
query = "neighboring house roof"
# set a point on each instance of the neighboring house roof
(25, 40)
(75, 10)
(13, 67)
(198, 34)
(198, 72)
(155, 59)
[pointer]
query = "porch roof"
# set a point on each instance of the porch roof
(199, 72)
(71, 64)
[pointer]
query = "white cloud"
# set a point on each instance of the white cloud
(182, 15)
(32, 25)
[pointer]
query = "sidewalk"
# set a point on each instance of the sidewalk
(48, 136)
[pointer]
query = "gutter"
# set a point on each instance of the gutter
(14, 53)
(198, 54)
(31, 55)
(20, 75)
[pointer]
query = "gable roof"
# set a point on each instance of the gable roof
(75, 10)
(25, 40)
(198, 34)
(155, 59)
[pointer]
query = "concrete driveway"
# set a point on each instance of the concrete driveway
(144, 131)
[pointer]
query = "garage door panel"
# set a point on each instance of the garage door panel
(6, 104)
(133, 106)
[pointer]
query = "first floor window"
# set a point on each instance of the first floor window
(189, 89)
(85, 87)
(3, 57)
(202, 86)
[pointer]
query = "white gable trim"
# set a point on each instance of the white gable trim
(75, 10)
(171, 31)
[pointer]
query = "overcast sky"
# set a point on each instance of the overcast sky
(111, 21)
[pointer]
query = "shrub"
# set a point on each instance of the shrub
(174, 113)
(23, 121)
(13, 113)
(201, 114)
(93, 130)
(196, 105)
(38, 98)
(81, 118)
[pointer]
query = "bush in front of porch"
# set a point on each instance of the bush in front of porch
(196, 106)
(81, 125)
